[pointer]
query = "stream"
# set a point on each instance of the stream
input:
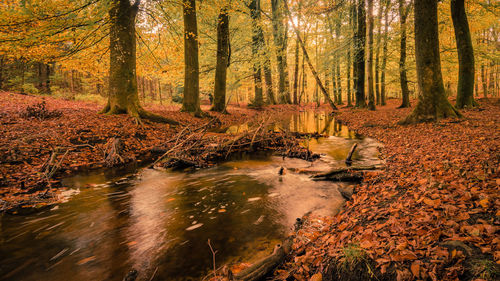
(159, 222)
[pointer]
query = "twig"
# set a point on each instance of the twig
(213, 258)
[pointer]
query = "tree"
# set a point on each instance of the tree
(123, 96)
(465, 88)
(339, 81)
(280, 41)
(432, 102)
(349, 47)
(222, 61)
(371, 94)
(384, 53)
(256, 50)
(359, 56)
(404, 10)
(377, 52)
(191, 100)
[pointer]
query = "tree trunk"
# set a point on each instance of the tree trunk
(352, 14)
(377, 52)
(339, 81)
(296, 69)
(359, 57)
(405, 92)
(465, 88)
(268, 76)
(483, 81)
(123, 96)
(258, 101)
(384, 53)
(371, 93)
(296, 73)
(280, 43)
(159, 91)
(432, 102)
(304, 79)
(191, 99)
(222, 61)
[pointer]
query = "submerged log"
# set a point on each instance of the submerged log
(263, 267)
(266, 265)
(348, 174)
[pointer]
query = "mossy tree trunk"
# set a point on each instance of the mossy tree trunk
(348, 62)
(339, 80)
(377, 52)
(123, 96)
(257, 34)
(371, 93)
(465, 90)
(222, 61)
(280, 41)
(359, 57)
(384, 53)
(191, 99)
(403, 79)
(432, 102)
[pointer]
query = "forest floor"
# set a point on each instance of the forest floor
(432, 213)
(78, 137)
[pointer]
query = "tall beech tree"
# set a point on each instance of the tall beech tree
(123, 95)
(280, 41)
(371, 93)
(191, 99)
(223, 61)
(359, 55)
(338, 57)
(384, 53)
(404, 10)
(256, 51)
(432, 102)
(377, 51)
(349, 48)
(466, 72)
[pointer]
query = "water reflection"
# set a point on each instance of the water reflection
(159, 222)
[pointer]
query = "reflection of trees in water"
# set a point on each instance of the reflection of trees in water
(115, 241)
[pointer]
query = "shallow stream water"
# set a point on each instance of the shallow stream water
(159, 222)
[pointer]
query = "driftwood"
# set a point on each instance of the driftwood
(263, 267)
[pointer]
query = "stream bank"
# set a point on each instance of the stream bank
(433, 214)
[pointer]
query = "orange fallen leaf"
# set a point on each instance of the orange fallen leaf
(415, 269)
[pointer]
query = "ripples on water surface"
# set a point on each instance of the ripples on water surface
(159, 222)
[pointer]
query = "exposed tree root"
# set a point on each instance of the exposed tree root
(423, 114)
(138, 113)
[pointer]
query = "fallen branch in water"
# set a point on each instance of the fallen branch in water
(199, 148)
(348, 174)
